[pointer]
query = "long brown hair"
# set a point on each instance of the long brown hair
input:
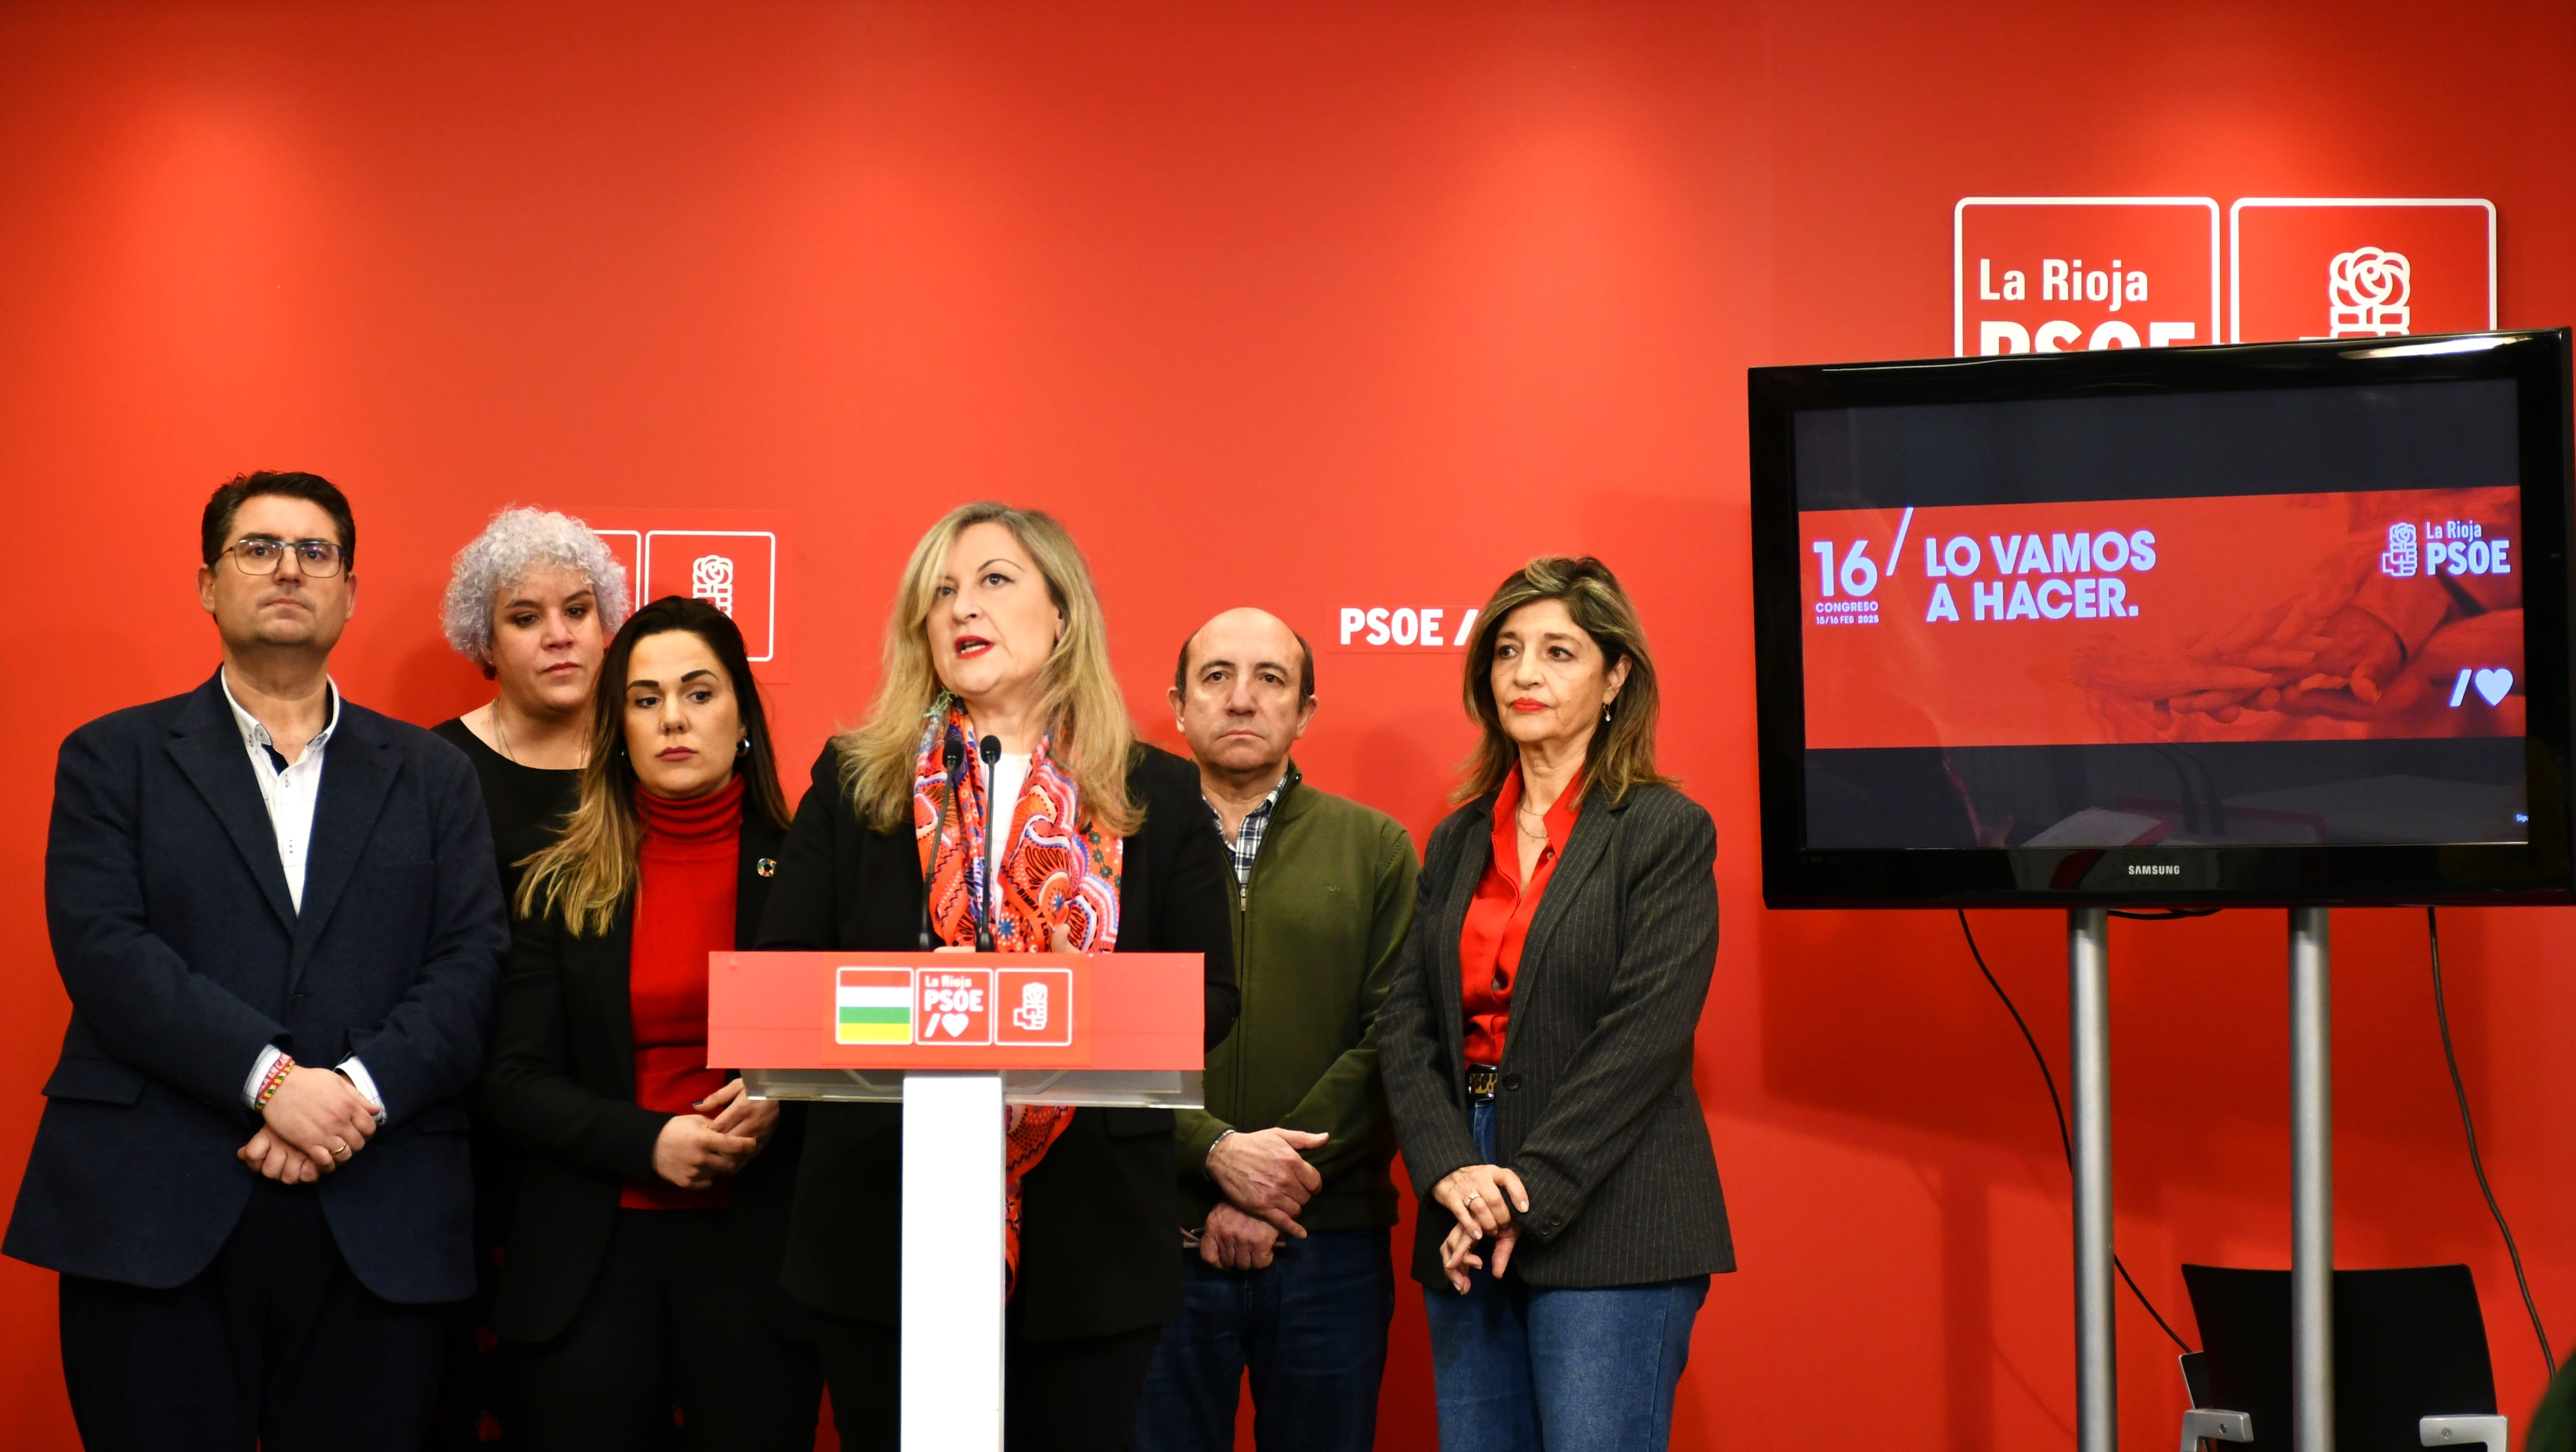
(1622, 752)
(1078, 695)
(591, 867)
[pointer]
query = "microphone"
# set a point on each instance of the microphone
(951, 757)
(990, 749)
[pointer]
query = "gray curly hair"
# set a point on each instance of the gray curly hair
(518, 540)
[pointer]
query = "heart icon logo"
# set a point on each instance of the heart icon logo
(2493, 684)
(955, 1023)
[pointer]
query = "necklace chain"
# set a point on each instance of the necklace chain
(501, 738)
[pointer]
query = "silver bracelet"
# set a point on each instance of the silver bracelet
(1210, 1158)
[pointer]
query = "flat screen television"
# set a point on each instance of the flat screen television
(2170, 626)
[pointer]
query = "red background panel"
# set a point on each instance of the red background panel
(1335, 304)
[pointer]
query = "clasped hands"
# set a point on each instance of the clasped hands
(1266, 1182)
(695, 1150)
(1483, 1197)
(315, 1121)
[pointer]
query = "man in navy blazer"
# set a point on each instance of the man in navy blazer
(276, 917)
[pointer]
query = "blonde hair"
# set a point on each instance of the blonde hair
(1079, 701)
(1622, 752)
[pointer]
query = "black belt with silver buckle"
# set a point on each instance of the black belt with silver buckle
(1483, 1080)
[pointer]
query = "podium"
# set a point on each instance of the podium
(954, 1038)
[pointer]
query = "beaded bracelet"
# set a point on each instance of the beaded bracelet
(277, 1073)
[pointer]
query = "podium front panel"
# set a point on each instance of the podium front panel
(1062, 1028)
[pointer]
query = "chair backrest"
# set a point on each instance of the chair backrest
(2244, 1320)
(2409, 1343)
(2195, 1377)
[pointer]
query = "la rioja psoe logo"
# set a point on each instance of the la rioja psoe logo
(2066, 274)
(2360, 267)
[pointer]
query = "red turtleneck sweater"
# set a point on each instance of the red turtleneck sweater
(684, 910)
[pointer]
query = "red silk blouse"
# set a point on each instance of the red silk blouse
(1498, 918)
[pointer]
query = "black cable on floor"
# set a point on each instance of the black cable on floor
(2064, 1140)
(2442, 1015)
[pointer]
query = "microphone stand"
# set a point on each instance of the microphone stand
(990, 749)
(952, 756)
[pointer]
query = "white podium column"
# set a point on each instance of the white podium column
(952, 1262)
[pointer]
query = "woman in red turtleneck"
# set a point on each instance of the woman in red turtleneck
(641, 1287)
(684, 901)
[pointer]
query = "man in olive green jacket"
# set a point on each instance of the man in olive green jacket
(1285, 1197)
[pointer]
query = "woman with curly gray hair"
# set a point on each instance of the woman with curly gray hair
(532, 601)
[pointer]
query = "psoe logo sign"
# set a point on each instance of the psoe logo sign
(1404, 627)
(2066, 274)
(953, 1005)
(1034, 1007)
(2359, 267)
(735, 569)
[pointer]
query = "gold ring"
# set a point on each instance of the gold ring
(342, 1150)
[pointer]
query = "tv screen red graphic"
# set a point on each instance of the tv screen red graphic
(2366, 616)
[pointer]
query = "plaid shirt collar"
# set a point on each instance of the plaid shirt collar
(1246, 845)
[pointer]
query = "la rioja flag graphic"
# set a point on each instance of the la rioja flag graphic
(874, 1006)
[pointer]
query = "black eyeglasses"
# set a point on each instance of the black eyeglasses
(258, 555)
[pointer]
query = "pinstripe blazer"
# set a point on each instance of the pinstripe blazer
(1596, 1112)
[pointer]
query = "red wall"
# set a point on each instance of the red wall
(1310, 306)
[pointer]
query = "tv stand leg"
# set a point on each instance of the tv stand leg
(2311, 1184)
(2097, 1396)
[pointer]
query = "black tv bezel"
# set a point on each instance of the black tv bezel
(2542, 870)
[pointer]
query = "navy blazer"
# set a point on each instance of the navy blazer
(184, 957)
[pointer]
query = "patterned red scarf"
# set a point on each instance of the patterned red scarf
(1059, 894)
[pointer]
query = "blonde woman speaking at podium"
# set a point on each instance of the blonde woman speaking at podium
(998, 767)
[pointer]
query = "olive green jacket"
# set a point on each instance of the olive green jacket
(1316, 934)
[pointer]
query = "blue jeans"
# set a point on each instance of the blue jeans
(1311, 1328)
(1518, 1369)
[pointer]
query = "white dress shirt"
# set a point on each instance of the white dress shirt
(290, 789)
(1010, 775)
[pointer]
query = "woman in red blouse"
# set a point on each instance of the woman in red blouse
(641, 1286)
(1536, 1043)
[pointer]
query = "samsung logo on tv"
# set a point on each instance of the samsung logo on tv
(2155, 869)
